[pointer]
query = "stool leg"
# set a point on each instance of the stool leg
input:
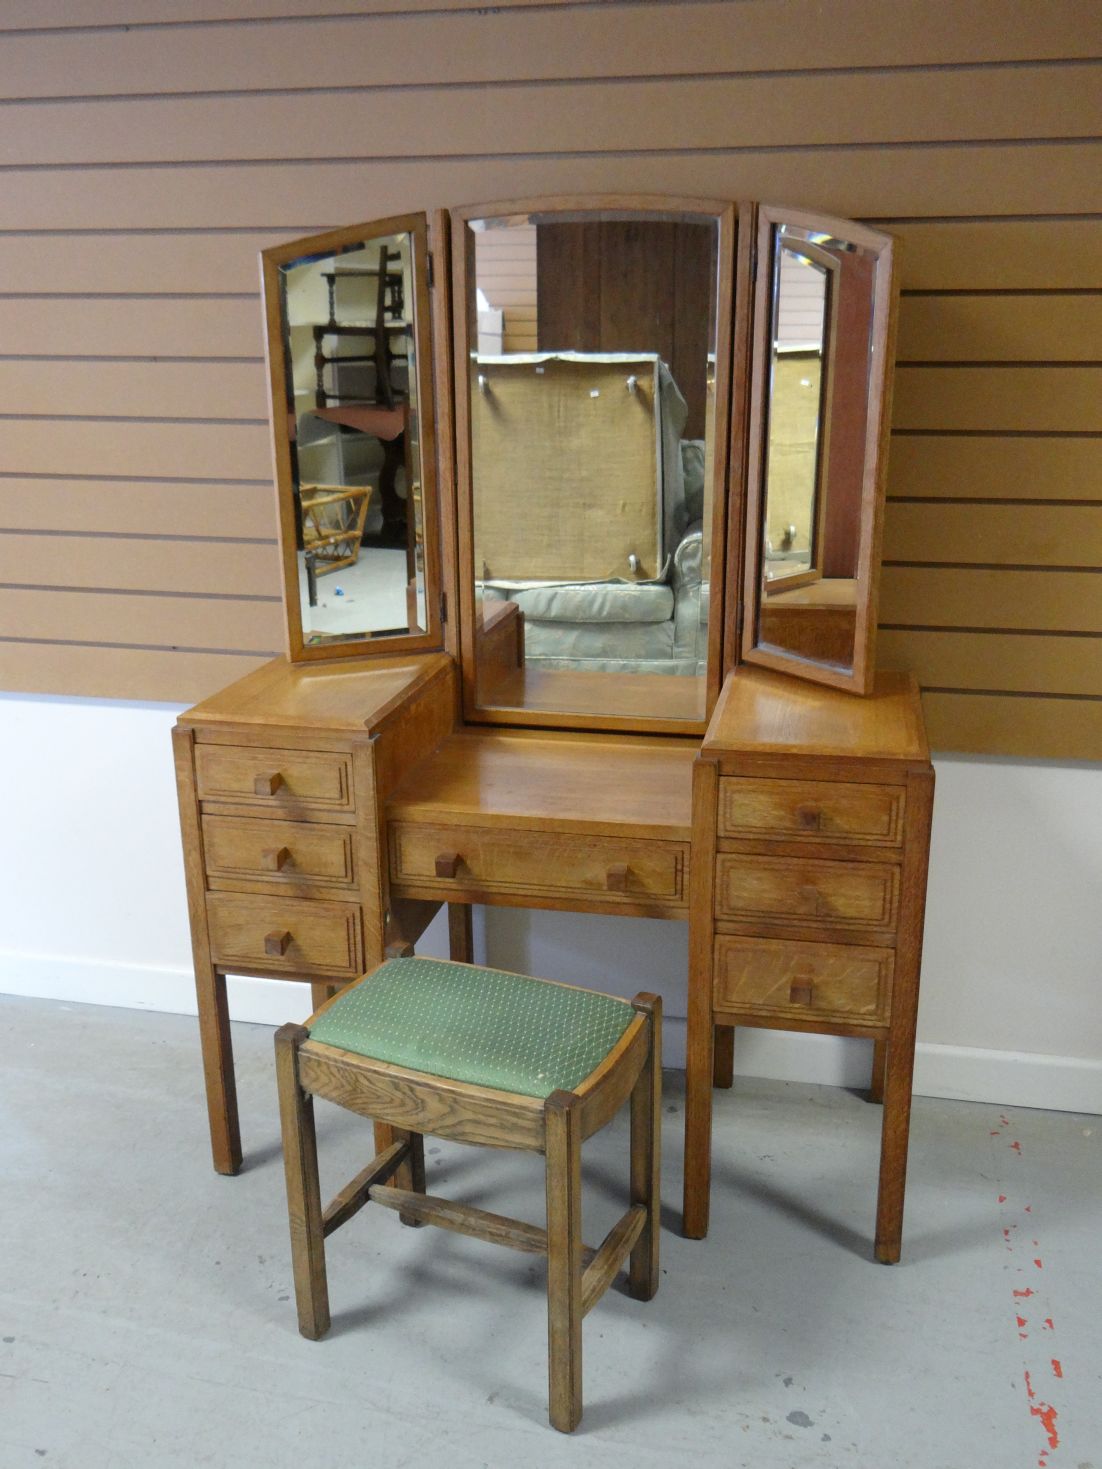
(563, 1145)
(300, 1163)
(646, 1152)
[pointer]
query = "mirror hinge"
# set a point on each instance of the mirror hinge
(443, 606)
(431, 270)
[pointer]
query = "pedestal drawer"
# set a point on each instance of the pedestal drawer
(813, 810)
(821, 981)
(494, 860)
(857, 895)
(287, 852)
(319, 780)
(299, 935)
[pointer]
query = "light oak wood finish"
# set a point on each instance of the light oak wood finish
(775, 977)
(797, 893)
(313, 936)
(334, 806)
(810, 842)
(488, 860)
(414, 1102)
(285, 853)
(813, 811)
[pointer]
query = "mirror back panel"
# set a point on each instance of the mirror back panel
(349, 355)
(593, 344)
(822, 358)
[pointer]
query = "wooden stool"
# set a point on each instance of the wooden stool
(479, 1056)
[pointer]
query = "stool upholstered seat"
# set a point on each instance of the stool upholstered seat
(478, 1056)
(484, 1026)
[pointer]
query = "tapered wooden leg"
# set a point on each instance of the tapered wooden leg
(221, 1088)
(460, 933)
(899, 1067)
(562, 1121)
(723, 1059)
(698, 1114)
(895, 1135)
(300, 1164)
(879, 1068)
(700, 1031)
(646, 1154)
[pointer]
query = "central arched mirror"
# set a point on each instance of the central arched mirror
(593, 349)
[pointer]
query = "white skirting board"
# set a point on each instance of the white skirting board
(963, 1073)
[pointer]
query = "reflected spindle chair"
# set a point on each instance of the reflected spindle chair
(479, 1056)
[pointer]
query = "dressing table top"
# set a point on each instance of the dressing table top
(761, 713)
(524, 779)
(346, 696)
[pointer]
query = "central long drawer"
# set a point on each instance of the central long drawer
(603, 870)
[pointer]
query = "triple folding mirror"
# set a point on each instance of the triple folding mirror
(664, 463)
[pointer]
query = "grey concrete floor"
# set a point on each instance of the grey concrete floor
(146, 1314)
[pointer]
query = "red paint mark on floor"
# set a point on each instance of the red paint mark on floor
(1047, 1414)
(1024, 1294)
(1002, 1198)
(1038, 1264)
(1029, 1208)
(1057, 1368)
(1016, 1148)
(1048, 1320)
(1029, 1385)
(1021, 1320)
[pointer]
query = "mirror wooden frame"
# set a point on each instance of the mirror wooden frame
(731, 223)
(272, 260)
(859, 679)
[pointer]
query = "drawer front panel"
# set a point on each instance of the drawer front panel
(273, 779)
(857, 895)
(811, 810)
(820, 981)
(279, 851)
(485, 858)
(291, 935)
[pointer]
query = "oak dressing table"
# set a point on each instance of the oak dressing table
(643, 741)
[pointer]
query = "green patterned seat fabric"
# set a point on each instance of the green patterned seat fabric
(483, 1026)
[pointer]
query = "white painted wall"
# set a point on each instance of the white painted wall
(92, 909)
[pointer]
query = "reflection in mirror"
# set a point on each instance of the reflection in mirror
(351, 383)
(592, 377)
(814, 436)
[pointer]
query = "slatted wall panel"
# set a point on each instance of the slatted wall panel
(505, 267)
(147, 159)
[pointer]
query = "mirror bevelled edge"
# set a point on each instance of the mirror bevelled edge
(859, 674)
(427, 635)
(729, 221)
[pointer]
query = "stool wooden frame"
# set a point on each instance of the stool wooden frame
(405, 1104)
